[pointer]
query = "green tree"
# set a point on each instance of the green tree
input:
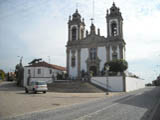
(119, 65)
(2, 74)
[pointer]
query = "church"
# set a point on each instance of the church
(87, 50)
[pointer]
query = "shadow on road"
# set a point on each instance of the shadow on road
(145, 100)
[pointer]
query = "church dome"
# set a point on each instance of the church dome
(76, 15)
(114, 10)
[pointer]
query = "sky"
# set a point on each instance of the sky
(38, 29)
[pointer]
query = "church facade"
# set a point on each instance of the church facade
(89, 51)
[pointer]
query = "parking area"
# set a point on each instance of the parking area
(14, 101)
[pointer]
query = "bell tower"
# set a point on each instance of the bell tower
(76, 27)
(116, 45)
(114, 22)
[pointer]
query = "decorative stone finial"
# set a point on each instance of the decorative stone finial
(93, 29)
(76, 10)
(82, 19)
(98, 31)
(86, 32)
(107, 11)
(113, 3)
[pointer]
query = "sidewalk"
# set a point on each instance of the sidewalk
(156, 115)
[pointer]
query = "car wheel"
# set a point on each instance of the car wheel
(26, 90)
(35, 92)
(44, 91)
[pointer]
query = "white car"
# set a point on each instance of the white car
(36, 86)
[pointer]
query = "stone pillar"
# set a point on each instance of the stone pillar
(79, 62)
(121, 51)
(68, 56)
(69, 32)
(78, 32)
(108, 30)
(124, 83)
(98, 31)
(108, 53)
(122, 29)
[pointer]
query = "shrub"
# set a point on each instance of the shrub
(119, 65)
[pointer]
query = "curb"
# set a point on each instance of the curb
(154, 110)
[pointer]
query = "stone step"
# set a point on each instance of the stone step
(74, 87)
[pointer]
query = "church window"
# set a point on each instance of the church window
(114, 29)
(74, 32)
(73, 61)
(93, 53)
(39, 71)
(114, 56)
(50, 71)
(29, 71)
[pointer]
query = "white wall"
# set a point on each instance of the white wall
(134, 84)
(102, 56)
(114, 83)
(73, 70)
(110, 52)
(84, 56)
(44, 76)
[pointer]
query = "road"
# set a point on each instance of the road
(137, 105)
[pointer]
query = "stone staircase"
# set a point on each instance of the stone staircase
(74, 87)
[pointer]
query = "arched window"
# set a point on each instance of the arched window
(114, 29)
(93, 53)
(74, 33)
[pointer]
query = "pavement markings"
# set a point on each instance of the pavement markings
(50, 109)
(98, 111)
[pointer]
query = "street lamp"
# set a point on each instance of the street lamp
(21, 57)
(107, 69)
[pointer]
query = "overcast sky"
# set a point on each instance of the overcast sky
(38, 29)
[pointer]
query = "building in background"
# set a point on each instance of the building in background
(42, 71)
(89, 51)
(157, 81)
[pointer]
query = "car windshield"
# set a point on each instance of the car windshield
(40, 83)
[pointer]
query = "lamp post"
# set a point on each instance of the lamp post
(107, 69)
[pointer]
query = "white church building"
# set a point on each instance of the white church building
(89, 51)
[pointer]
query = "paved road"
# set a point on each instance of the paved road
(136, 105)
(14, 101)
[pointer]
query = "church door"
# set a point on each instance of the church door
(94, 70)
